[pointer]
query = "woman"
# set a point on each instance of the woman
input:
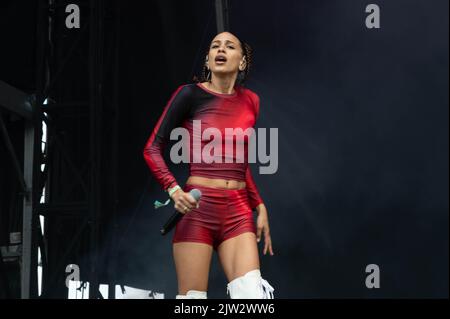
(222, 220)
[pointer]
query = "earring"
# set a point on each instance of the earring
(242, 63)
(208, 73)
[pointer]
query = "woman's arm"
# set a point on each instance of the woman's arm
(262, 222)
(256, 202)
(173, 115)
(252, 191)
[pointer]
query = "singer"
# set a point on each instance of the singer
(222, 220)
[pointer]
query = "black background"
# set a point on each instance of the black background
(362, 116)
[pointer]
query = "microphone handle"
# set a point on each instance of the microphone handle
(173, 220)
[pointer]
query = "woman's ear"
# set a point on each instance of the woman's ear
(243, 64)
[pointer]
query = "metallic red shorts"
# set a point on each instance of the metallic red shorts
(222, 214)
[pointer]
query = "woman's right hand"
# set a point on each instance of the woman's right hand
(184, 202)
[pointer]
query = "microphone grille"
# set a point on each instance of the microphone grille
(196, 193)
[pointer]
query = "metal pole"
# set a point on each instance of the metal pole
(27, 227)
(222, 15)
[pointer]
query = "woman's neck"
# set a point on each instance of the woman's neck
(221, 85)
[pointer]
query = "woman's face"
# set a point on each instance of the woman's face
(225, 54)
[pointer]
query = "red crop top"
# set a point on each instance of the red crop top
(193, 106)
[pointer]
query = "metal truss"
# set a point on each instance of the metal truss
(70, 191)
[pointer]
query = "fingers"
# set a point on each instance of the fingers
(259, 230)
(268, 246)
(184, 203)
(191, 200)
(267, 242)
(181, 208)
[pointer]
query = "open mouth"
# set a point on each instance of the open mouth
(220, 59)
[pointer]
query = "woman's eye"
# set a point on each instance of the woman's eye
(216, 46)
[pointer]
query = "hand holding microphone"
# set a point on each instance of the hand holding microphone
(184, 202)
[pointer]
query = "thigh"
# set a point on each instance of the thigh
(192, 262)
(238, 255)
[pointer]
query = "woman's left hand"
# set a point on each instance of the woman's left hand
(262, 226)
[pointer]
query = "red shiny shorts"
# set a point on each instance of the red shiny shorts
(222, 214)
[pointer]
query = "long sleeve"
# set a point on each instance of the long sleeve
(173, 115)
(252, 191)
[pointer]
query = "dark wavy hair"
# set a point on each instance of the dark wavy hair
(242, 76)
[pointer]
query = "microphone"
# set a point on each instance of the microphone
(174, 219)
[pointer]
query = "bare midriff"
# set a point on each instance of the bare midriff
(215, 182)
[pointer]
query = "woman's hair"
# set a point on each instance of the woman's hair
(242, 76)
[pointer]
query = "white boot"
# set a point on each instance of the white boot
(250, 286)
(193, 294)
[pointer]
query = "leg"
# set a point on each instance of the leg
(238, 255)
(240, 261)
(192, 262)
